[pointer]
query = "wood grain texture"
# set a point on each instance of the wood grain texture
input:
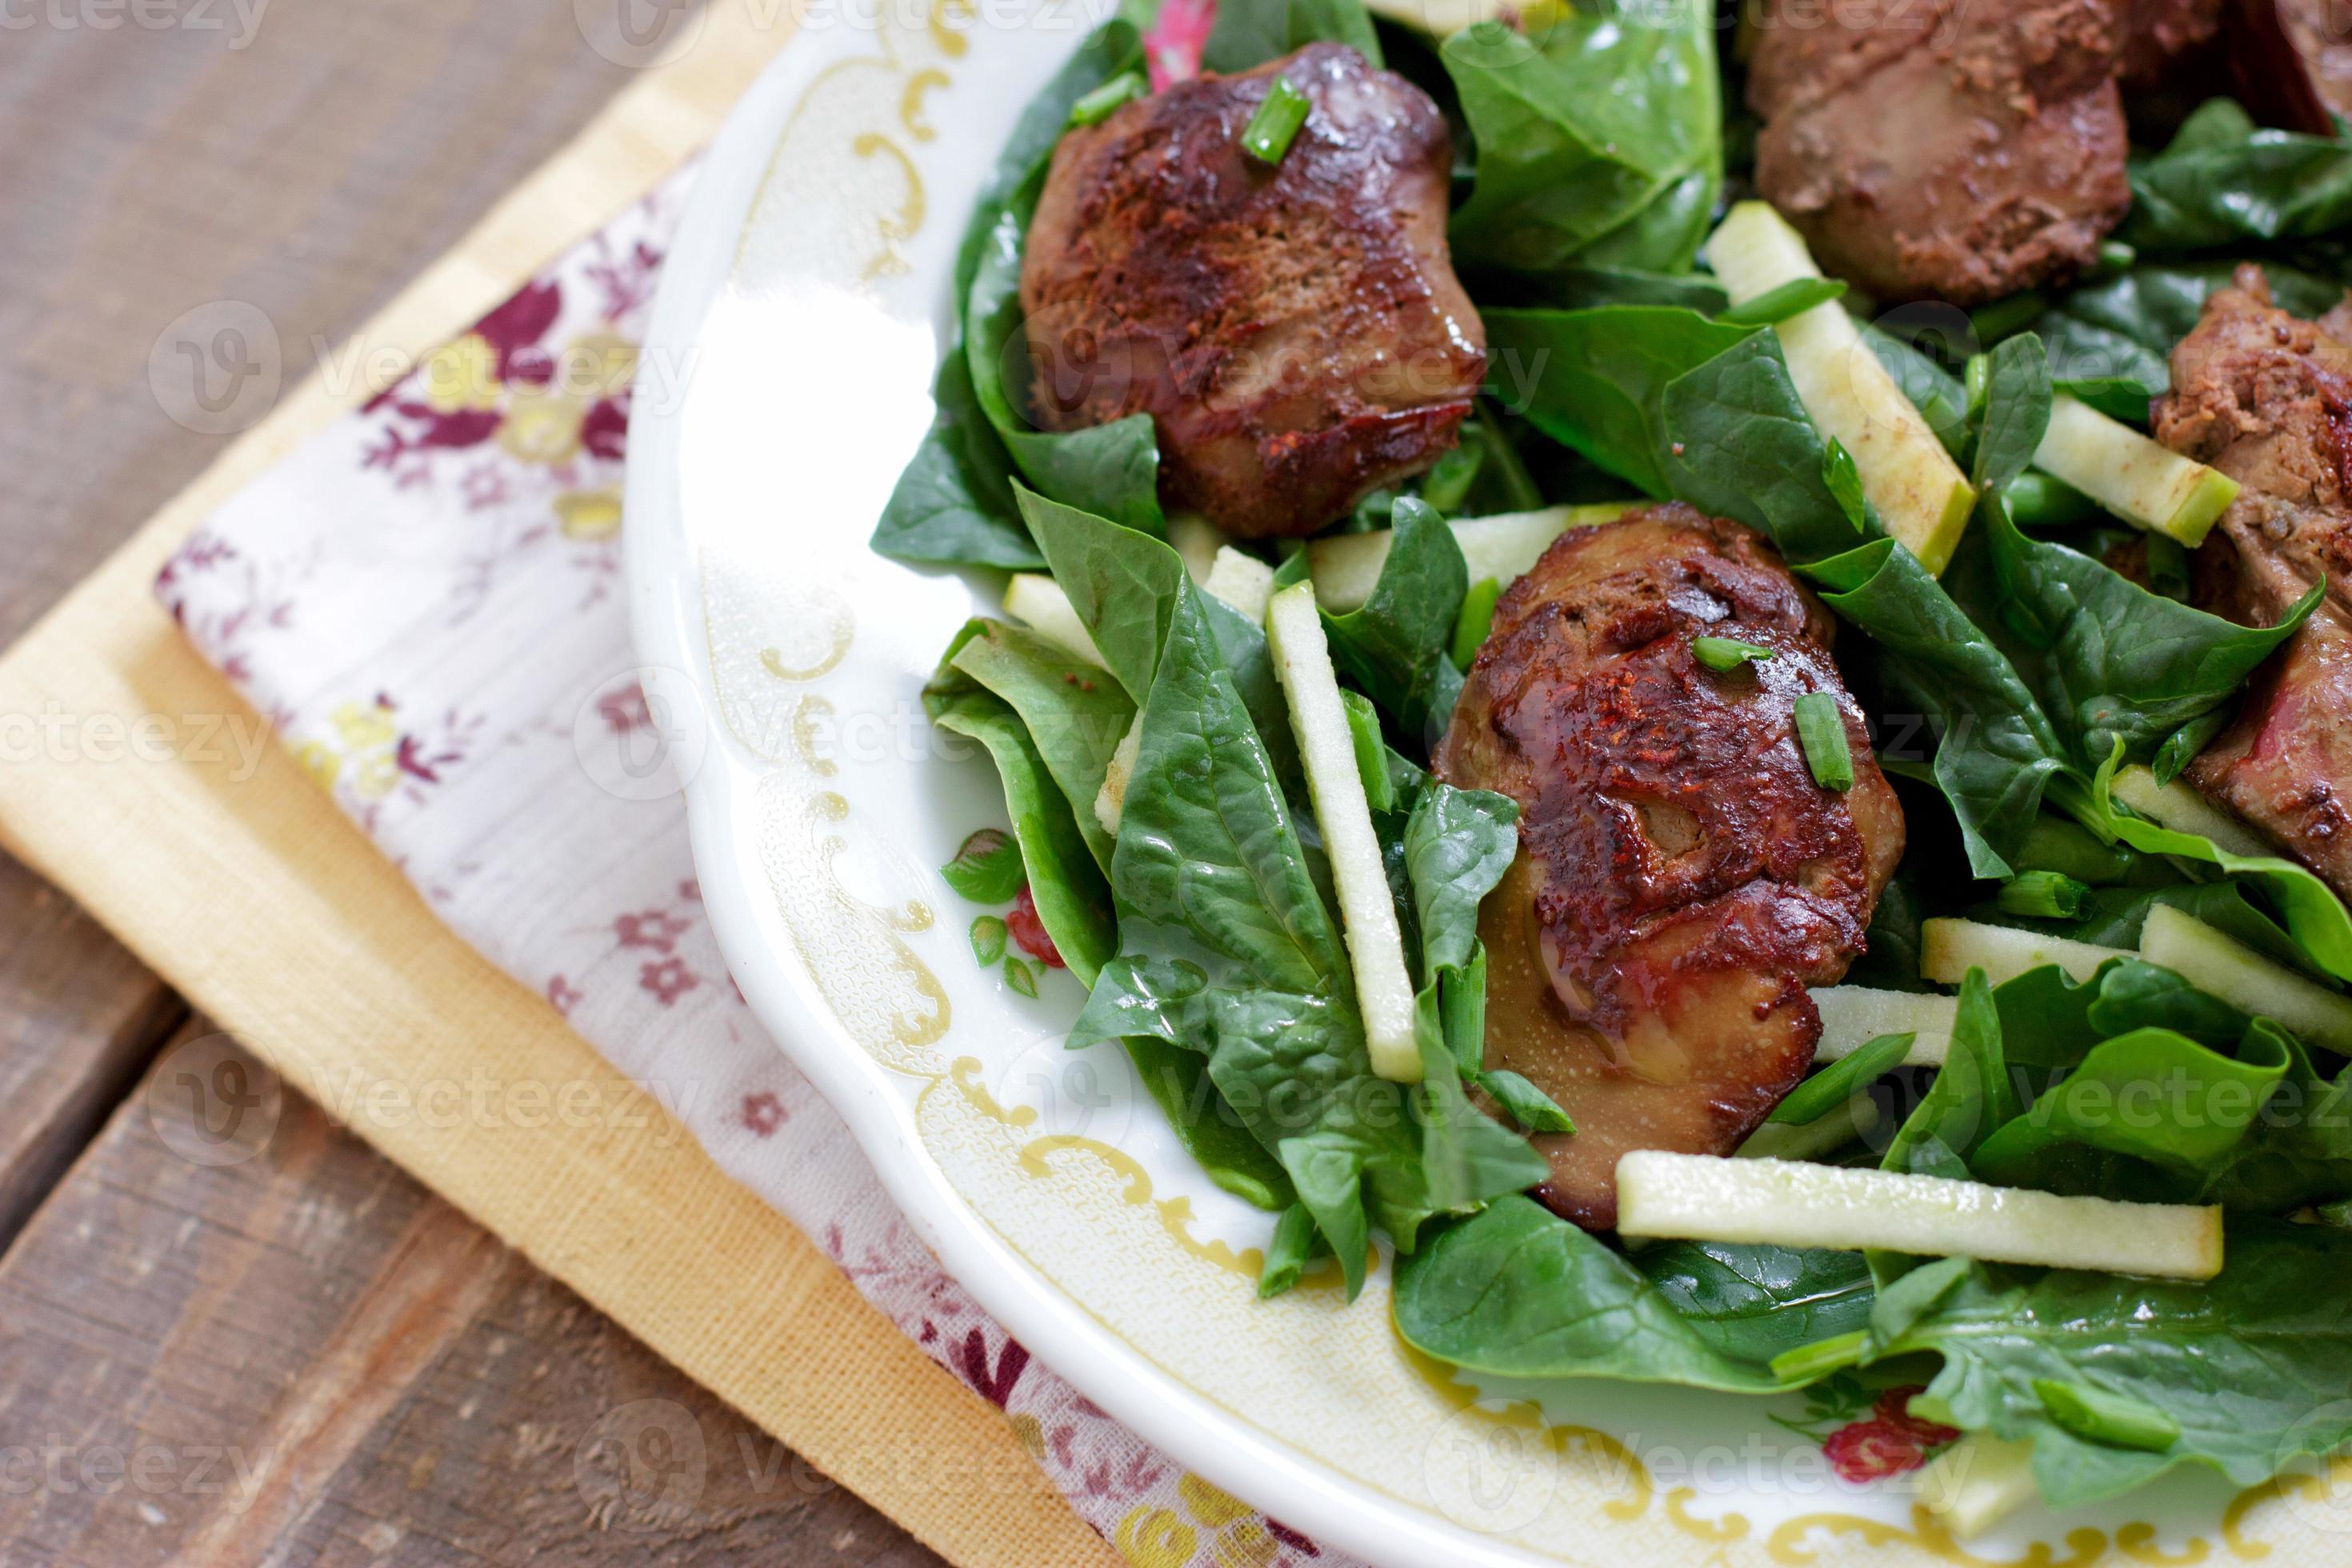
(78, 1018)
(400, 1387)
(282, 1349)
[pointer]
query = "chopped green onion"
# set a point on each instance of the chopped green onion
(1841, 1080)
(1997, 321)
(2167, 566)
(2054, 844)
(1267, 136)
(1447, 485)
(2115, 1419)
(1098, 105)
(1823, 1357)
(2036, 500)
(1821, 730)
(2114, 257)
(1297, 1243)
(1725, 653)
(1976, 379)
(1371, 751)
(1476, 620)
(1777, 304)
(2043, 896)
(1529, 1106)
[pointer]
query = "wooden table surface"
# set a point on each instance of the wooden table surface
(298, 1355)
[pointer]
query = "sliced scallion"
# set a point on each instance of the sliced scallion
(1821, 731)
(2043, 896)
(1476, 620)
(1098, 105)
(2115, 1419)
(1267, 136)
(1725, 653)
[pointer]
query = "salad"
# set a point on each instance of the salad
(1694, 689)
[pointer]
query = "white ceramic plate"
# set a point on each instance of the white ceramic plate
(785, 382)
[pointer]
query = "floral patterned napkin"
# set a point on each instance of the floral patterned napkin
(426, 602)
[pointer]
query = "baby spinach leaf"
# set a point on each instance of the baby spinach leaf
(2017, 411)
(2223, 182)
(2112, 662)
(1248, 33)
(2123, 329)
(1297, 1243)
(1112, 470)
(1517, 1291)
(952, 505)
(1598, 140)
(1206, 843)
(1075, 715)
(1124, 585)
(1596, 380)
(1968, 1098)
(1997, 749)
(1178, 1081)
(1738, 443)
(2252, 1365)
(2314, 916)
(1395, 645)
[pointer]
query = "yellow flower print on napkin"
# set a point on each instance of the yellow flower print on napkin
(542, 427)
(1242, 1540)
(365, 750)
(462, 375)
(1155, 1538)
(589, 514)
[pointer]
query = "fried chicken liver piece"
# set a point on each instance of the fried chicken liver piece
(1957, 150)
(2266, 398)
(1681, 878)
(1294, 331)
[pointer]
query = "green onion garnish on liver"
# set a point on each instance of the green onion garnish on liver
(1097, 105)
(2044, 895)
(1267, 136)
(1724, 654)
(1821, 730)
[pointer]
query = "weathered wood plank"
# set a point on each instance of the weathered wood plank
(283, 1349)
(78, 1018)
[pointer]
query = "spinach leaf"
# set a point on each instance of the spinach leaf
(1124, 585)
(1248, 33)
(1395, 645)
(2314, 915)
(2124, 328)
(2252, 1364)
(2017, 411)
(1072, 901)
(1210, 1129)
(1206, 843)
(1738, 443)
(1595, 380)
(1997, 751)
(1599, 140)
(1111, 469)
(1517, 1291)
(953, 505)
(2113, 663)
(1076, 717)
(2223, 182)
(1968, 1098)
(1933, 391)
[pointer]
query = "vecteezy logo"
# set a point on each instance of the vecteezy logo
(211, 1103)
(639, 34)
(217, 369)
(1491, 1468)
(642, 1466)
(641, 734)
